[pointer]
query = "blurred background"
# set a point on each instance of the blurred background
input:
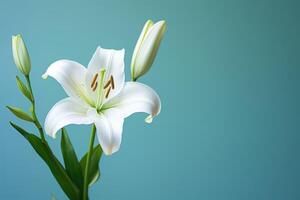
(227, 73)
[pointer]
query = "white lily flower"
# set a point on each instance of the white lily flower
(99, 94)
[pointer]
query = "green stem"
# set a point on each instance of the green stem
(133, 79)
(36, 121)
(87, 166)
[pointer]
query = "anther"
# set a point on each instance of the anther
(112, 82)
(94, 81)
(109, 85)
(108, 82)
(107, 92)
(95, 86)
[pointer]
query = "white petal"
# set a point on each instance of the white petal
(136, 97)
(109, 124)
(113, 61)
(71, 76)
(65, 112)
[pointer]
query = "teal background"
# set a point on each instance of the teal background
(227, 73)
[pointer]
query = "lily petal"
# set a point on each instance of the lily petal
(71, 76)
(65, 112)
(109, 125)
(113, 62)
(136, 97)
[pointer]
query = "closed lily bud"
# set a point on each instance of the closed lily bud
(146, 48)
(20, 54)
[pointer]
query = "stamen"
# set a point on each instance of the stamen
(94, 81)
(95, 86)
(107, 92)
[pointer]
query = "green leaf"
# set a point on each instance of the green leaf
(22, 87)
(72, 165)
(54, 165)
(18, 112)
(94, 171)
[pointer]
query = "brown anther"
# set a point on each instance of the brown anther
(109, 85)
(95, 86)
(94, 81)
(107, 92)
(112, 82)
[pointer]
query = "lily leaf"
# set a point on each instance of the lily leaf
(55, 166)
(70, 159)
(22, 87)
(18, 112)
(94, 171)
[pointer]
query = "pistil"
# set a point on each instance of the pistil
(100, 89)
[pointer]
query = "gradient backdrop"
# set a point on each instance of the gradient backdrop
(228, 76)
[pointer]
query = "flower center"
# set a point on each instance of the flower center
(97, 85)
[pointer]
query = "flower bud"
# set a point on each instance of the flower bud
(20, 55)
(146, 48)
